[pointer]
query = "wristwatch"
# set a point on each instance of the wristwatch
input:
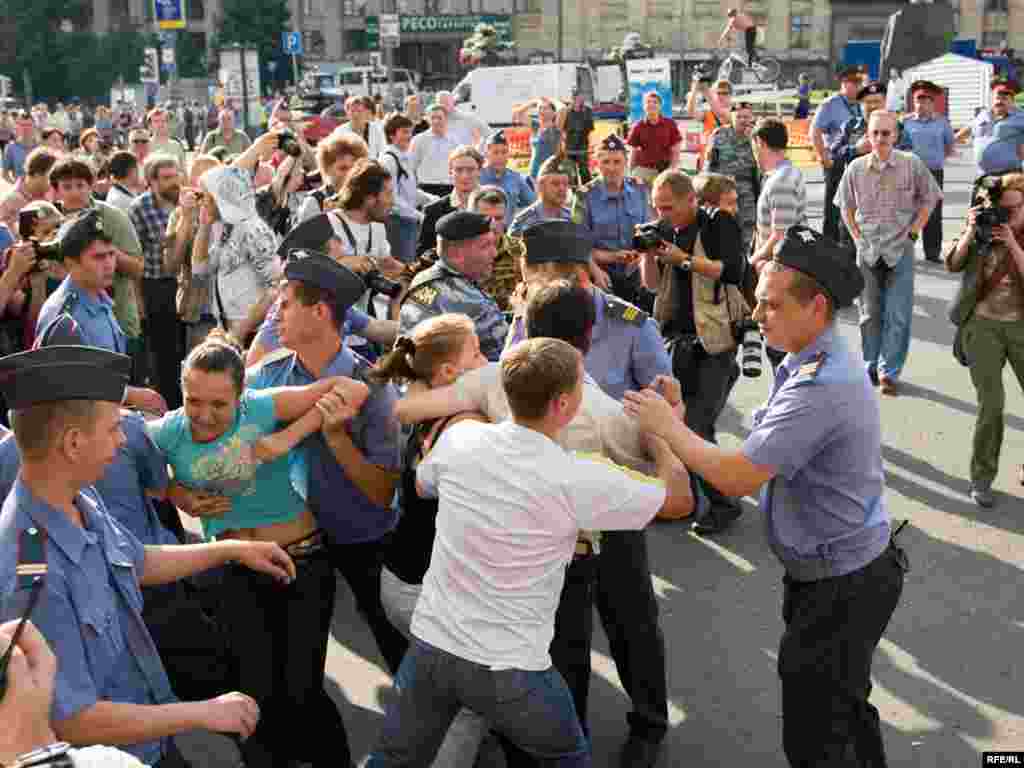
(913, 236)
(56, 755)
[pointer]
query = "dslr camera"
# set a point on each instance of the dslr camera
(377, 283)
(751, 348)
(992, 215)
(288, 144)
(651, 234)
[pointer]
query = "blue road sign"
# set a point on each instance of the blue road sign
(292, 43)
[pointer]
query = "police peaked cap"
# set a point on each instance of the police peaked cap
(831, 265)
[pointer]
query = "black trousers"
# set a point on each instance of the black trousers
(750, 39)
(195, 649)
(706, 381)
(932, 234)
(164, 337)
(830, 223)
(281, 643)
(628, 609)
(360, 565)
(832, 629)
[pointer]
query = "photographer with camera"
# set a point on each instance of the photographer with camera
(688, 254)
(990, 313)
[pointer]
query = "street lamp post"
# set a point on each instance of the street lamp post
(560, 31)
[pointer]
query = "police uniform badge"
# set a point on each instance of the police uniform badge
(426, 295)
(623, 310)
(809, 371)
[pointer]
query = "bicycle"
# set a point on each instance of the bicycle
(766, 69)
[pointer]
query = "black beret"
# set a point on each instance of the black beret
(613, 143)
(848, 70)
(310, 235)
(924, 85)
(498, 137)
(831, 265)
(324, 272)
(462, 225)
(79, 232)
(59, 373)
(557, 242)
(871, 89)
(63, 330)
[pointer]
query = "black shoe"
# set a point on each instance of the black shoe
(639, 752)
(717, 519)
(873, 375)
(933, 259)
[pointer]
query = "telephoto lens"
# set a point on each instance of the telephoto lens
(751, 351)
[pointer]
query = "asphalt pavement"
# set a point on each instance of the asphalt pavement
(948, 677)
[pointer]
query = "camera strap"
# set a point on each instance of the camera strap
(352, 238)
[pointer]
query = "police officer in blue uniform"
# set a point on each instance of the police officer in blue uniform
(626, 352)
(815, 450)
(65, 403)
(518, 191)
(346, 472)
(452, 284)
(613, 206)
(553, 184)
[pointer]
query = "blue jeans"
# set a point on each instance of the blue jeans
(534, 710)
(403, 235)
(886, 309)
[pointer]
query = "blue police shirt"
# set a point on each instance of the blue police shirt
(340, 507)
(832, 114)
(91, 609)
(517, 189)
(929, 139)
(825, 512)
(996, 142)
(610, 218)
(626, 352)
(95, 316)
(138, 467)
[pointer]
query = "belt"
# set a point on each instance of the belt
(308, 546)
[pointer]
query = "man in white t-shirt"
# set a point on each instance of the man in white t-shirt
(512, 504)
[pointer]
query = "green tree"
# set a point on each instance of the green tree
(57, 64)
(256, 23)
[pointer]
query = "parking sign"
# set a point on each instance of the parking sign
(292, 43)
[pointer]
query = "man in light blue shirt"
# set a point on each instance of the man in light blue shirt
(518, 191)
(932, 138)
(825, 131)
(999, 132)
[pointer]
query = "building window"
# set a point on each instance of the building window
(993, 38)
(997, 6)
(800, 28)
(195, 9)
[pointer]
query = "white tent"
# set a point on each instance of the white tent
(966, 81)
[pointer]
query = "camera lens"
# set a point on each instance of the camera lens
(751, 347)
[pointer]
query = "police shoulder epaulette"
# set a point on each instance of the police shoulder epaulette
(425, 295)
(279, 354)
(623, 310)
(809, 371)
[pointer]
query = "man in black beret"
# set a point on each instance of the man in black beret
(553, 183)
(816, 450)
(466, 247)
(66, 416)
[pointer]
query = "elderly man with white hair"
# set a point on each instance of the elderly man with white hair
(463, 127)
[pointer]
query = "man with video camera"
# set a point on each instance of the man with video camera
(688, 255)
(990, 312)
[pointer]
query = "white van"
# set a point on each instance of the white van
(491, 92)
(357, 81)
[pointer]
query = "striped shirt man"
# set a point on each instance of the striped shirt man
(783, 201)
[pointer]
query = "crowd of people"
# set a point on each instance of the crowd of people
(465, 390)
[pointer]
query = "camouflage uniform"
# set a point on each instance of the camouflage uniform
(441, 288)
(733, 155)
(506, 275)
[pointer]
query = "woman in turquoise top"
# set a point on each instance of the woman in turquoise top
(224, 443)
(545, 137)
